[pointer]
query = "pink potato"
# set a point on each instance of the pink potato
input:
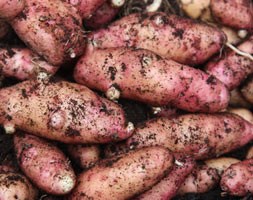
(183, 40)
(51, 28)
(234, 13)
(200, 135)
(168, 186)
(124, 176)
(86, 8)
(22, 63)
(45, 165)
(144, 76)
(237, 180)
(10, 8)
(232, 69)
(62, 111)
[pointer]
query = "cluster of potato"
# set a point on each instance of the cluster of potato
(188, 71)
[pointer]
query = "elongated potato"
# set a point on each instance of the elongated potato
(84, 155)
(15, 186)
(62, 111)
(168, 186)
(11, 8)
(124, 176)
(238, 178)
(45, 165)
(142, 75)
(232, 68)
(200, 135)
(250, 153)
(22, 64)
(221, 164)
(247, 90)
(183, 40)
(202, 179)
(234, 13)
(52, 28)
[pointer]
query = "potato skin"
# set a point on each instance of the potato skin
(11, 8)
(63, 111)
(234, 13)
(45, 164)
(144, 76)
(231, 68)
(180, 39)
(124, 176)
(52, 28)
(15, 186)
(168, 186)
(247, 90)
(22, 63)
(238, 178)
(200, 135)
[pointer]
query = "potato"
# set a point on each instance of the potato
(237, 180)
(237, 99)
(22, 64)
(180, 39)
(63, 111)
(250, 153)
(234, 13)
(244, 113)
(124, 176)
(46, 166)
(232, 68)
(247, 90)
(15, 186)
(141, 75)
(202, 179)
(52, 28)
(84, 155)
(11, 8)
(221, 164)
(168, 186)
(200, 135)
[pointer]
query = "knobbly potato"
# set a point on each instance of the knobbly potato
(144, 76)
(124, 176)
(200, 135)
(62, 111)
(180, 39)
(45, 165)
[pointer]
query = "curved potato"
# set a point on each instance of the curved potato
(63, 111)
(124, 176)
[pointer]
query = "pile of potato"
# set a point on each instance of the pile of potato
(73, 139)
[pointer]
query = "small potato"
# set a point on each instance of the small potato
(15, 186)
(247, 90)
(62, 111)
(51, 28)
(202, 179)
(180, 39)
(200, 135)
(124, 176)
(45, 165)
(22, 64)
(221, 164)
(244, 113)
(84, 155)
(10, 8)
(235, 13)
(250, 153)
(237, 180)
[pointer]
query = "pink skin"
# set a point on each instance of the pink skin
(102, 17)
(57, 37)
(63, 111)
(167, 188)
(44, 164)
(142, 75)
(86, 8)
(11, 8)
(200, 135)
(238, 178)
(183, 40)
(232, 69)
(23, 64)
(234, 13)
